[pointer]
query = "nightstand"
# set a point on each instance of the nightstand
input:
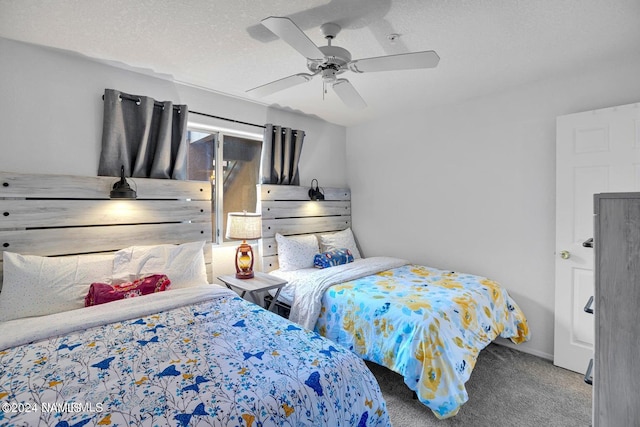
(260, 282)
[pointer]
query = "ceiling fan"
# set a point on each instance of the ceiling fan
(331, 61)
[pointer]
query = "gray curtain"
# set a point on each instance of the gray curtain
(281, 149)
(147, 137)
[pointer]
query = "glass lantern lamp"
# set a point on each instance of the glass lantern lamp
(244, 226)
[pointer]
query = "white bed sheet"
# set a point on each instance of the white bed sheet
(292, 277)
(295, 278)
(309, 284)
(30, 329)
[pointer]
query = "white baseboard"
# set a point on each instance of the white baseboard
(507, 343)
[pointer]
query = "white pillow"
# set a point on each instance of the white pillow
(183, 264)
(296, 252)
(36, 286)
(339, 240)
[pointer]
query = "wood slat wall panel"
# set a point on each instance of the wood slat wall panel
(64, 213)
(293, 192)
(272, 209)
(270, 263)
(287, 210)
(268, 246)
(18, 185)
(60, 241)
(288, 226)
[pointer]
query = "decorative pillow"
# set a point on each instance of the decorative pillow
(333, 258)
(100, 293)
(296, 252)
(341, 239)
(36, 286)
(183, 263)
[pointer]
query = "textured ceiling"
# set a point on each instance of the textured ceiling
(485, 45)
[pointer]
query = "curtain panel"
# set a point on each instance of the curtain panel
(147, 137)
(281, 150)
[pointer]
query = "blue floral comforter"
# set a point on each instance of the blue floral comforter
(219, 362)
(426, 324)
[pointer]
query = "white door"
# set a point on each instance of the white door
(596, 151)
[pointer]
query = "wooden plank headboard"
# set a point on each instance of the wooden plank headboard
(286, 209)
(52, 215)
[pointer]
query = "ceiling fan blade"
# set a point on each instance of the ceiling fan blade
(349, 95)
(278, 85)
(293, 35)
(403, 61)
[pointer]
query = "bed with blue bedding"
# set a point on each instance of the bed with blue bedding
(199, 356)
(108, 318)
(426, 324)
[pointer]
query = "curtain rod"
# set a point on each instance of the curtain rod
(137, 100)
(228, 120)
(159, 104)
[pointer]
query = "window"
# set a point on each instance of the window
(233, 178)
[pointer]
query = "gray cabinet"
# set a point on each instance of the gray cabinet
(616, 375)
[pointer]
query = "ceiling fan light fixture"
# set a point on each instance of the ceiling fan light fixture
(329, 75)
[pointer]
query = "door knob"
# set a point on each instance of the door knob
(565, 254)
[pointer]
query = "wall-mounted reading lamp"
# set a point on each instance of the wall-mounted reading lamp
(315, 193)
(122, 189)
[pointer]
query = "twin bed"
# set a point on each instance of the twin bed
(191, 354)
(196, 353)
(426, 324)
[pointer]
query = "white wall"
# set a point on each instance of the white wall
(471, 187)
(52, 108)
(51, 117)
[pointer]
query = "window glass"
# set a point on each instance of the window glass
(233, 182)
(241, 168)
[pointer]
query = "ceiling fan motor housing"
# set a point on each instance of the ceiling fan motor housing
(335, 61)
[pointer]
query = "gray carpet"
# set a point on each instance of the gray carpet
(506, 388)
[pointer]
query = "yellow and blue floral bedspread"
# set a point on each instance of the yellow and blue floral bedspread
(426, 324)
(223, 362)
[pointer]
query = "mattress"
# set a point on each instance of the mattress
(426, 324)
(195, 356)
